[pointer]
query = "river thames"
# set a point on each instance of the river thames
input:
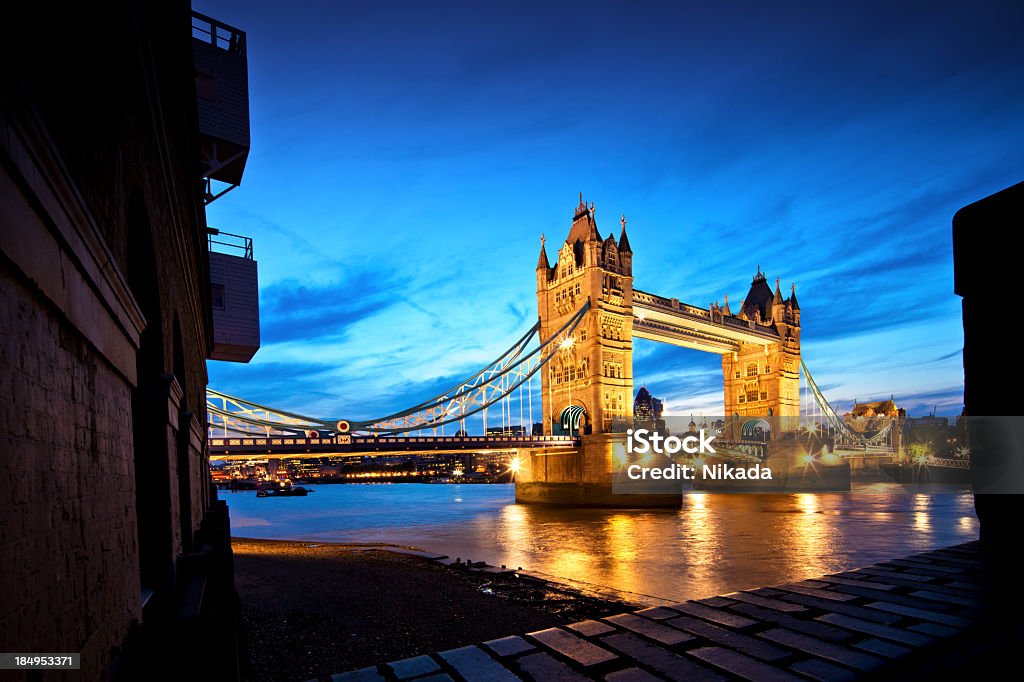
(712, 544)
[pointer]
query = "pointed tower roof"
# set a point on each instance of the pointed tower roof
(777, 299)
(792, 298)
(758, 300)
(623, 239)
(725, 308)
(542, 261)
(584, 227)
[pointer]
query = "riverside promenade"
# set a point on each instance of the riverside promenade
(926, 616)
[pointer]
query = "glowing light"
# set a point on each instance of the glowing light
(807, 459)
(514, 465)
(567, 342)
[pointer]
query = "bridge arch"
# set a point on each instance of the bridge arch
(574, 418)
(756, 429)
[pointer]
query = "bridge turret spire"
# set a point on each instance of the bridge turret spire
(623, 239)
(792, 298)
(542, 261)
(725, 308)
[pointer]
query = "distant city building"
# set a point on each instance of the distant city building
(879, 408)
(517, 430)
(647, 411)
(872, 418)
(930, 420)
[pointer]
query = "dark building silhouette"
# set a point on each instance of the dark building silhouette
(987, 241)
(112, 541)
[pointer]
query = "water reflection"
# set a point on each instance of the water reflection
(712, 544)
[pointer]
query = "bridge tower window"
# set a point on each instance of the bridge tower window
(752, 369)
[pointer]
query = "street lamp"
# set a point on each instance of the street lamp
(566, 345)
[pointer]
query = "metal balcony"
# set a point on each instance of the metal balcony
(234, 297)
(222, 102)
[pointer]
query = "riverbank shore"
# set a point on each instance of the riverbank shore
(310, 609)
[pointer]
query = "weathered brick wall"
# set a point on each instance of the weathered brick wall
(68, 550)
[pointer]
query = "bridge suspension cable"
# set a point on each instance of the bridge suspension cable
(838, 429)
(494, 383)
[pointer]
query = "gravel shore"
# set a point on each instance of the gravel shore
(313, 609)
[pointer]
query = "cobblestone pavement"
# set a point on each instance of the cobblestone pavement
(910, 617)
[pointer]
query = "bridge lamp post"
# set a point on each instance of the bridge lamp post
(566, 346)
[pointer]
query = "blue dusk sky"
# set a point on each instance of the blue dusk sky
(407, 156)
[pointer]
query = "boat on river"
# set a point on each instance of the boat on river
(280, 489)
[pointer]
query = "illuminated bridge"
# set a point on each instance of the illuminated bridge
(572, 374)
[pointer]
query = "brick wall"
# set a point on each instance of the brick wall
(68, 551)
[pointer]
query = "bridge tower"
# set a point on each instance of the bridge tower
(764, 379)
(595, 371)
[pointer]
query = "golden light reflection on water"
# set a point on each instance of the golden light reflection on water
(719, 543)
(713, 543)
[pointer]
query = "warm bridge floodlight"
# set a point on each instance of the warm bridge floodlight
(513, 465)
(567, 342)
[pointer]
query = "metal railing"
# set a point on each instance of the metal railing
(230, 244)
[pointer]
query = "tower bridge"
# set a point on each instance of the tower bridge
(572, 372)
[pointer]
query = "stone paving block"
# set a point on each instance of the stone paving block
(509, 646)
(962, 586)
(631, 675)
(827, 650)
(912, 602)
(930, 565)
(820, 594)
(848, 609)
(717, 602)
(716, 615)
(946, 558)
(438, 677)
(649, 629)
(817, 669)
(369, 674)
(742, 666)
(934, 629)
(960, 599)
(900, 635)
(813, 583)
(921, 569)
(767, 602)
(920, 614)
(894, 577)
(411, 667)
(475, 665)
(571, 646)
(862, 582)
(730, 638)
(883, 648)
(591, 628)
(808, 627)
(657, 613)
(659, 659)
(767, 592)
(543, 668)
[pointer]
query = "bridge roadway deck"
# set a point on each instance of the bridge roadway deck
(292, 446)
(926, 616)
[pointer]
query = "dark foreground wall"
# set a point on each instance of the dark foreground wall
(987, 241)
(112, 543)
